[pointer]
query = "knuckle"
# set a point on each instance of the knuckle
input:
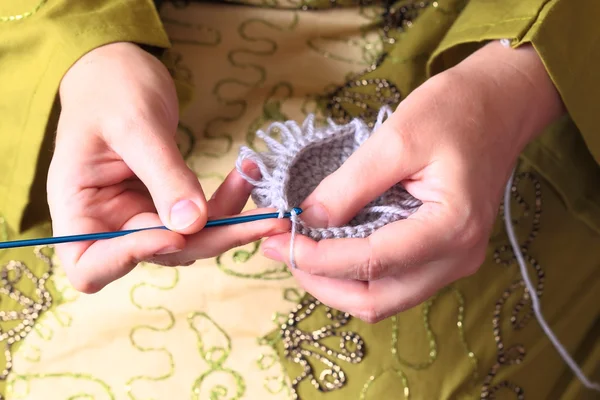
(127, 121)
(372, 269)
(477, 258)
(77, 274)
(370, 313)
(470, 231)
(135, 117)
(399, 142)
(369, 316)
(133, 120)
(400, 135)
(470, 236)
(82, 283)
(451, 81)
(362, 271)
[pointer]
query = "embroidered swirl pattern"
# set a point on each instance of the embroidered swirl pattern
(210, 349)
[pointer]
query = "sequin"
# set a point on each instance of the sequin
(504, 256)
(19, 322)
(26, 14)
(363, 96)
(301, 347)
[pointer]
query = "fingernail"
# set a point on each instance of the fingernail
(316, 216)
(253, 172)
(167, 250)
(272, 254)
(251, 169)
(183, 214)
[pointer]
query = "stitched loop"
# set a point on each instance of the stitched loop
(293, 167)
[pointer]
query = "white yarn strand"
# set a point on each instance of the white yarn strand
(535, 302)
(294, 219)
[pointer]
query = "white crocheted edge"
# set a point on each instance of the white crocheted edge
(274, 165)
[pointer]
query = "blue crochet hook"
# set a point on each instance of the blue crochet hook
(110, 235)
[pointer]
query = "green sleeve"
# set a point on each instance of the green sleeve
(565, 35)
(40, 41)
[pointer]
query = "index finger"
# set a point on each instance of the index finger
(90, 266)
(211, 242)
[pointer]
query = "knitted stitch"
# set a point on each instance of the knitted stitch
(293, 167)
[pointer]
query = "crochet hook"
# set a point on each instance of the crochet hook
(110, 235)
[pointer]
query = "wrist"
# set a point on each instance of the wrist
(517, 83)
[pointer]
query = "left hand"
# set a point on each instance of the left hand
(453, 144)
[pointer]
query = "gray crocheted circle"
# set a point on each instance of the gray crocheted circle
(305, 155)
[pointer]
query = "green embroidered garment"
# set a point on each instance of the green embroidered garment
(158, 333)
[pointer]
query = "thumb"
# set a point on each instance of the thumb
(152, 154)
(379, 163)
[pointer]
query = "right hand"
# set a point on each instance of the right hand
(116, 166)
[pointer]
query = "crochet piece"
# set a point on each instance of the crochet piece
(293, 167)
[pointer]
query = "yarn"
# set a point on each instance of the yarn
(535, 301)
(294, 219)
(293, 167)
(309, 154)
